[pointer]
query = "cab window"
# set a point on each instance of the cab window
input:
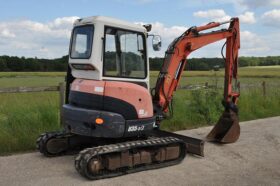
(82, 42)
(124, 54)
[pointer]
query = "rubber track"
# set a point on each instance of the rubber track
(84, 157)
(42, 140)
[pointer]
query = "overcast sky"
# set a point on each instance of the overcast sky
(42, 28)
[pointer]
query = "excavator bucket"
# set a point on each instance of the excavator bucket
(227, 130)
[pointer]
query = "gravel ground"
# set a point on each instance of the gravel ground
(253, 160)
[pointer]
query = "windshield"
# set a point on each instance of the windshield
(82, 42)
(124, 54)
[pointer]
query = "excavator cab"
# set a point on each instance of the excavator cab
(104, 48)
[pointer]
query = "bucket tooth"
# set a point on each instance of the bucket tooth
(227, 130)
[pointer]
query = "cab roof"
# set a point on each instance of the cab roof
(108, 21)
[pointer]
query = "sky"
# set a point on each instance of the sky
(37, 28)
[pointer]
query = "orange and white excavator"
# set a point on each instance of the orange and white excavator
(109, 114)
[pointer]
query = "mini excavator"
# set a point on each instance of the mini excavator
(110, 116)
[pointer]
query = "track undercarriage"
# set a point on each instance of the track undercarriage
(119, 157)
(100, 158)
(128, 157)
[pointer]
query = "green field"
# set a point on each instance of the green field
(25, 115)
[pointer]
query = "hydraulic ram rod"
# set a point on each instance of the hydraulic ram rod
(211, 25)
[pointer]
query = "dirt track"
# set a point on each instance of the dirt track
(253, 160)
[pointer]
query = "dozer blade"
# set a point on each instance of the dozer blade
(227, 130)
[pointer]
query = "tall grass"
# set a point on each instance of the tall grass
(254, 104)
(23, 117)
(203, 107)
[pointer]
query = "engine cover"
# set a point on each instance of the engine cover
(130, 100)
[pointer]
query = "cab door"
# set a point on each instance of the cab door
(125, 56)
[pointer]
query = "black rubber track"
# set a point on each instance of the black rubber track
(43, 139)
(84, 157)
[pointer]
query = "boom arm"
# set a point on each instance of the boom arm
(191, 40)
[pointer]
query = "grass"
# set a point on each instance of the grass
(253, 104)
(24, 116)
(196, 108)
(30, 81)
(30, 74)
(260, 71)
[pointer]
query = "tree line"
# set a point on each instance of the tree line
(21, 64)
(13, 63)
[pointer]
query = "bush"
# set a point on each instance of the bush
(207, 105)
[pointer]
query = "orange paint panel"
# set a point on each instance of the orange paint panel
(88, 86)
(134, 94)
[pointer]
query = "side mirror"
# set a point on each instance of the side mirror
(156, 42)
